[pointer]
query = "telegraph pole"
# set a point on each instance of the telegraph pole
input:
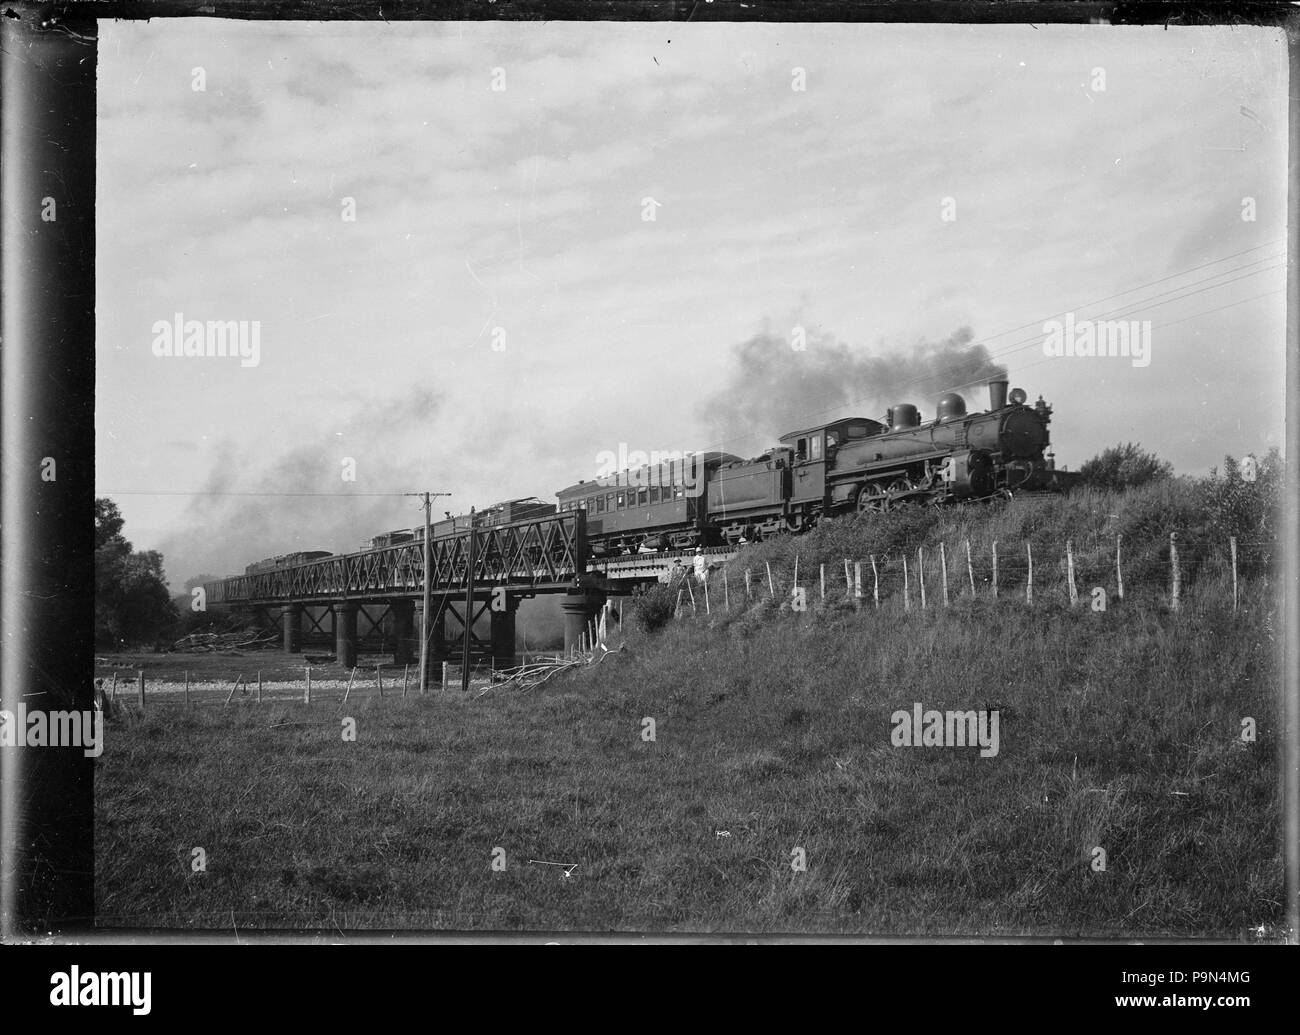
(469, 607)
(424, 613)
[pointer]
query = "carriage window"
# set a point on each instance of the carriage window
(654, 494)
(600, 504)
(816, 447)
(620, 501)
(609, 502)
(642, 497)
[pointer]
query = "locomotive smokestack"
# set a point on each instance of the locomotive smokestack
(997, 393)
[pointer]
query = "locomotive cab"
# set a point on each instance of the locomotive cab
(816, 456)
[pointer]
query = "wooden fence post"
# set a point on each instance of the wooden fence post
(1029, 582)
(747, 584)
(259, 686)
(348, 690)
(907, 603)
(1232, 546)
(407, 668)
(379, 678)
(943, 565)
(1069, 572)
(142, 689)
(187, 688)
(848, 582)
(995, 569)
(444, 677)
(970, 568)
(691, 592)
(1119, 572)
(875, 582)
(857, 583)
(307, 693)
(238, 679)
(920, 572)
(771, 586)
(707, 610)
(1175, 575)
(726, 590)
(823, 580)
(112, 695)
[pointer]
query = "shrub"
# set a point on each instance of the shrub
(1124, 467)
(653, 607)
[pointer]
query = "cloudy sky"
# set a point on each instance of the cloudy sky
(501, 310)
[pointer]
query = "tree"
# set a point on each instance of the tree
(131, 599)
(1124, 467)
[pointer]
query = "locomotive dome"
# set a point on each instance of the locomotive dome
(951, 406)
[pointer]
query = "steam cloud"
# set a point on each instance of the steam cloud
(774, 389)
(230, 525)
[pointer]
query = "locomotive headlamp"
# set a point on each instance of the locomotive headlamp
(1018, 396)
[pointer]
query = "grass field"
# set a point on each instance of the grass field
(1120, 730)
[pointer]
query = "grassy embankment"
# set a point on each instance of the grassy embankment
(1119, 730)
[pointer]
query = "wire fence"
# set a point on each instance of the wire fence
(925, 576)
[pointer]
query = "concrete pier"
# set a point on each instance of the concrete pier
(291, 620)
(345, 634)
(579, 609)
(503, 634)
(406, 645)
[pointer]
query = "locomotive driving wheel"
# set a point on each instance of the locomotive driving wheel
(872, 499)
(897, 488)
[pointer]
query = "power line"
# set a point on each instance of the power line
(1151, 283)
(150, 492)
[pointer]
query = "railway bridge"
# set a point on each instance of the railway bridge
(471, 573)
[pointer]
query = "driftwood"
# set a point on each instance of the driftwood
(538, 671)
(205, 642)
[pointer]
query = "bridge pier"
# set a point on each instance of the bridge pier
(291, 619)
(345, 634)
(437, 652)
(406, 646)
(579, 609)
(503, 634)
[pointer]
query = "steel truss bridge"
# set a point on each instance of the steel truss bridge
(373, 592)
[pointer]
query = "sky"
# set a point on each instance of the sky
(844, 217)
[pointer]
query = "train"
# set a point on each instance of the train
(854, 464)
(845, 466)
(287, 560)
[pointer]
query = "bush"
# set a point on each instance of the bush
(1124, 467)
(653, 607)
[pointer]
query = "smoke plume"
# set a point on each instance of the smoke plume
(250, 509)
(774, 388)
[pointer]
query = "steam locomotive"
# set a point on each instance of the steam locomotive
(853, 464)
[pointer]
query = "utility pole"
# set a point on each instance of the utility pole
(469, 607)
(424, 613)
